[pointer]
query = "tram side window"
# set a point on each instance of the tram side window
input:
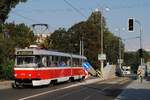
(41, 61)
(68, 61)
(49, 61)
(63, 61)
(52, 61)
(75, 62)
(44, 61)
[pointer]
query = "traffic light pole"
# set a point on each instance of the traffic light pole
(141, 46)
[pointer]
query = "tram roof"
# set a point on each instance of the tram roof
(47, 52)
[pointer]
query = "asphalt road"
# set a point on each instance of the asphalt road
(99, 90)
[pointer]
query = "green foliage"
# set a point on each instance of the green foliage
(130, 58)
(89, 31)
(6, 6)
(133, 59)
(13, 36)
(58, 40)
(7, 72)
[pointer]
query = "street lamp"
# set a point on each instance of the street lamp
(141, 46)
(102, 56)
(119, 49)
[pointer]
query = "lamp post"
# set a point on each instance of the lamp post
(101, 56)
(119, 47)
(81, 45)
(141, 46)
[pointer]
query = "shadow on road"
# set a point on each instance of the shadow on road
(134, 94)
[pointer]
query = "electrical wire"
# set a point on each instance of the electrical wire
(27, 18)
(77, 10)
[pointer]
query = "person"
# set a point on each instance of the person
(44, 62)
(62, 64)
(140, 73)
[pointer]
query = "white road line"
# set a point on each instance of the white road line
(74, 85)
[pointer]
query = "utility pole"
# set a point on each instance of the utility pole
(102, 62)
(101, 56)
(119, 49)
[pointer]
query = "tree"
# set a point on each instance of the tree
(133, 59)
(58, 40)
(6, 6)
(13, 36)
(89, 32)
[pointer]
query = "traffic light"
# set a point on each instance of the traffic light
(131, 24)
(141, 53)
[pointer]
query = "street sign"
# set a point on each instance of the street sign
(86, 65)
(101, 56)
(120, 61)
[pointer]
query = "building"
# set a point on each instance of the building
(41, 37)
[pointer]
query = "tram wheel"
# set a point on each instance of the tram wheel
(14, 85)
(71, 79)
(54, 82)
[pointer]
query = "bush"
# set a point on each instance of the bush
(7, 70)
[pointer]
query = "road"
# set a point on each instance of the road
(104, 90)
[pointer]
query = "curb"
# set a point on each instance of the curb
(5, 84)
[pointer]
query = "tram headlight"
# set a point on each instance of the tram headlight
(30, 75)
(15, 75)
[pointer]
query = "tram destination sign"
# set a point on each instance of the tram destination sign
(24, 52)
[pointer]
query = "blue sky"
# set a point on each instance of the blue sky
(57, 14)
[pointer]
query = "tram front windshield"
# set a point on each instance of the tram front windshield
(25, 61)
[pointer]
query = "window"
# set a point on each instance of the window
(76, 62)
(27, 61)
(41, 61)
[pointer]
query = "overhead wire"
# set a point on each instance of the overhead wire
(77, 10)
(28, 18)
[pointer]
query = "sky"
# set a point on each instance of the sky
(57, 13)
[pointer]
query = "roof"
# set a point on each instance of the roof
(46, 52)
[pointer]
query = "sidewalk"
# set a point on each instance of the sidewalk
(5, 84)
(136, 91)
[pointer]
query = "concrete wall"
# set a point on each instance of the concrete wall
(109, 71)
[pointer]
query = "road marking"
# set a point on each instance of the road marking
(74, 85)
(32, 96)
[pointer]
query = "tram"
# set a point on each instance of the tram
(39, 67)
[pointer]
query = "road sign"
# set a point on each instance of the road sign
(86, 65)
(101, 56)
(120, 61)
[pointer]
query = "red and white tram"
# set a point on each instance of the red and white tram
(41, 67)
